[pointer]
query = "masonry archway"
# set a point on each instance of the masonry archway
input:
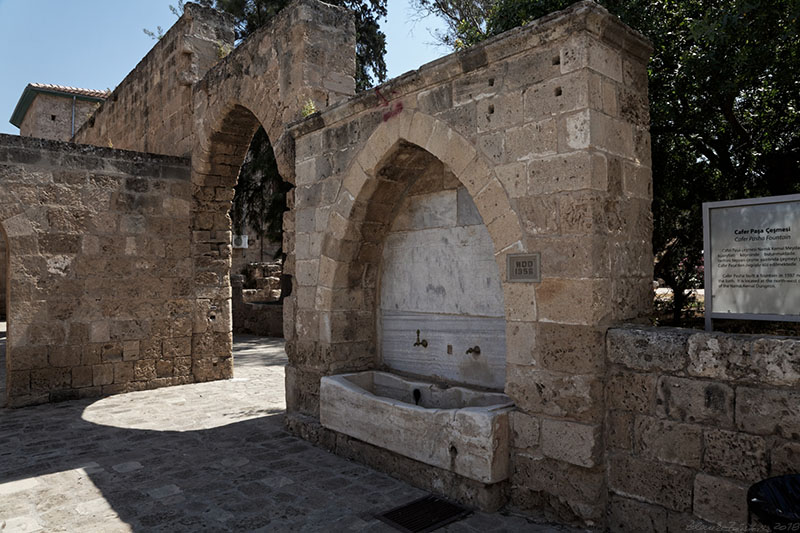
(215, 169)
(387, 167)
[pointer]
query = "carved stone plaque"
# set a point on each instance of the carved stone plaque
(525, 267)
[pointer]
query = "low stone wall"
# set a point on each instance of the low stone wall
(693, 419)
(101, 281)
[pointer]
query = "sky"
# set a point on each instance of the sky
(94, 44)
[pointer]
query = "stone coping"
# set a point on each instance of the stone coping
(16, 149)
(494, 49)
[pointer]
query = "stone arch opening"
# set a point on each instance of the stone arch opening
(407, 186)
(219, 301)
(398, 277)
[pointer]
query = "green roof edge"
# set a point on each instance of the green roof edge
(29, 94)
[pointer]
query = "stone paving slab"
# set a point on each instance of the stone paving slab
(202, 457)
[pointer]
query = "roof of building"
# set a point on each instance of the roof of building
(33, 89)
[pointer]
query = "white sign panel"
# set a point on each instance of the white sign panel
(752, 258)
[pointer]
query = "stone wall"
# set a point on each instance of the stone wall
(693, 419)
(3, 273)
(307, 51)
(100, 271)
(188, 97)
(50, 116)
(545, 127)
(151, 109)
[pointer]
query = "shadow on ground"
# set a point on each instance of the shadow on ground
(202, 457)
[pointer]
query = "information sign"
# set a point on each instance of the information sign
(752, 259)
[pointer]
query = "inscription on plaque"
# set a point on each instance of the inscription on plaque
(752, 251)
(525, 267)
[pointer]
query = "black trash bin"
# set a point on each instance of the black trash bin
(776, 502)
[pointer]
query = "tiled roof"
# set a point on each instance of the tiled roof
(33, 88)
(70, 90)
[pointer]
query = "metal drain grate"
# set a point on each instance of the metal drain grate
(423, 515)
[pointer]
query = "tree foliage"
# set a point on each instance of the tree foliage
(465, 19)
(260, 192)
(724, 105)
(249, 15)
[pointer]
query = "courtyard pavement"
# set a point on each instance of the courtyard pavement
(201, 457)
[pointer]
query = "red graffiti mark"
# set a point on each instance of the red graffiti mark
(384, 101)
(395, 110)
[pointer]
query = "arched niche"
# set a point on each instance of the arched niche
(440, 310)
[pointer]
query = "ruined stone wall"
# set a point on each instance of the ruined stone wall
(306, 52)
(50, 116)
(694, 418)
(151, 109)
(546, 127)
(100, 270)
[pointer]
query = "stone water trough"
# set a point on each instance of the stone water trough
(454, 428)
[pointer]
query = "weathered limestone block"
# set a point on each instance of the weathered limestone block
(768, 411)
(572, 256)
(720, 501)
(524, 431)
(82, 376)
(723, 357)
(566, 172)
(648, 349)
(553, 394)
(735, 455)
(571, 491)
(784, 458)
(103, 374)
(626, 515)
(520, 302)
(302, 390)
(619, 430)
(631, 391)
(568, 348)
(580, 302)
(777, 360)
(144, 370)
(574, 443)
(702, 402)
(669, 486)
(28, 357)
(521, 343)
(670, 442)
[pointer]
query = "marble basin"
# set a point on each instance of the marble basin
(454, 428)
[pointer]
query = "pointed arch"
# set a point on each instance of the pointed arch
(362, 181)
